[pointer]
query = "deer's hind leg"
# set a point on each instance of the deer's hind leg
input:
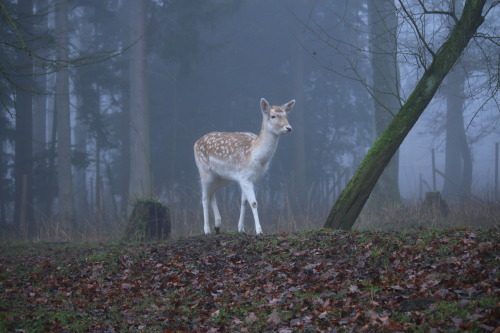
(205, 200)
(215, 209)
(210, 184)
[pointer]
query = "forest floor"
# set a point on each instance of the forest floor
(428, 280)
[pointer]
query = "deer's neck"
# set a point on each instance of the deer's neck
(264, 146)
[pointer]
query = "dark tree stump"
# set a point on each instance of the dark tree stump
(435, 204)
(149, 221)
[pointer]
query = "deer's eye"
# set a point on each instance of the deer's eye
(272, 117)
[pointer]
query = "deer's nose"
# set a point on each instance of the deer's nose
(288, 128)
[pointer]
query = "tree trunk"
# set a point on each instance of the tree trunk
(385, 82)
(300, 185)
(23, 170)
(51, 165)
(40, 99)
(40, 113)
(458, 159)
(300, 175)
(351, 201)
(140, 170)
(124, 177)
(65, 180)
(3, 190)
(88, 105)
(99, 203)
(125, 154)
(80, 179)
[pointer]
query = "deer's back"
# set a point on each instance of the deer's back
(224, 149)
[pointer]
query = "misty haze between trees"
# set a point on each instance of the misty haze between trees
(103, 100)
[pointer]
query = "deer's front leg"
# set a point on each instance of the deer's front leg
(241, 223)
(248, 191)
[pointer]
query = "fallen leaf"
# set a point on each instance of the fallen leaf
(251, 317)
(353, 289)
(274, 318)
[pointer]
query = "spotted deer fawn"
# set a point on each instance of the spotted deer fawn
(241, 157)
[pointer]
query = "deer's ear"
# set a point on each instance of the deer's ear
(288, 106)
(264, 105)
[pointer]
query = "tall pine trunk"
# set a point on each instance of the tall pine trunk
(87, 106)
(346, 210)
(65, 180)
(40, 112)
(300, 184)
(124, 176)
(23, 169)
(140, 184)
(80, 179)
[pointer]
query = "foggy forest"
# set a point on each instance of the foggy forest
(103, 100)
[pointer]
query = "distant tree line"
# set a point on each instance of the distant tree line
(102, 100)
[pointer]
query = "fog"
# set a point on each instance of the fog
(196, 67)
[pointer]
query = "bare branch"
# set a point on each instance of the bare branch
(416, 29)
(491, 97)
(440, 12)
(14, 27)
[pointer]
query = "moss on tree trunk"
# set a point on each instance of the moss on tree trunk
(352, 199)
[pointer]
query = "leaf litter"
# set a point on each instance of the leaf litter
(326, 281)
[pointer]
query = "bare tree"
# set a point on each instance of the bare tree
(349, 204)
(458, 159)
(383, 22)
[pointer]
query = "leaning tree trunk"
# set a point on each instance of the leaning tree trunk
(351, 201)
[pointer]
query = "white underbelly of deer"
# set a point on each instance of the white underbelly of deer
(241, 157)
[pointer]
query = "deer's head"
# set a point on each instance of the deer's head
(275, 117)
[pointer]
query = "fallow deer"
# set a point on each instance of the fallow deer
(242, 157)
